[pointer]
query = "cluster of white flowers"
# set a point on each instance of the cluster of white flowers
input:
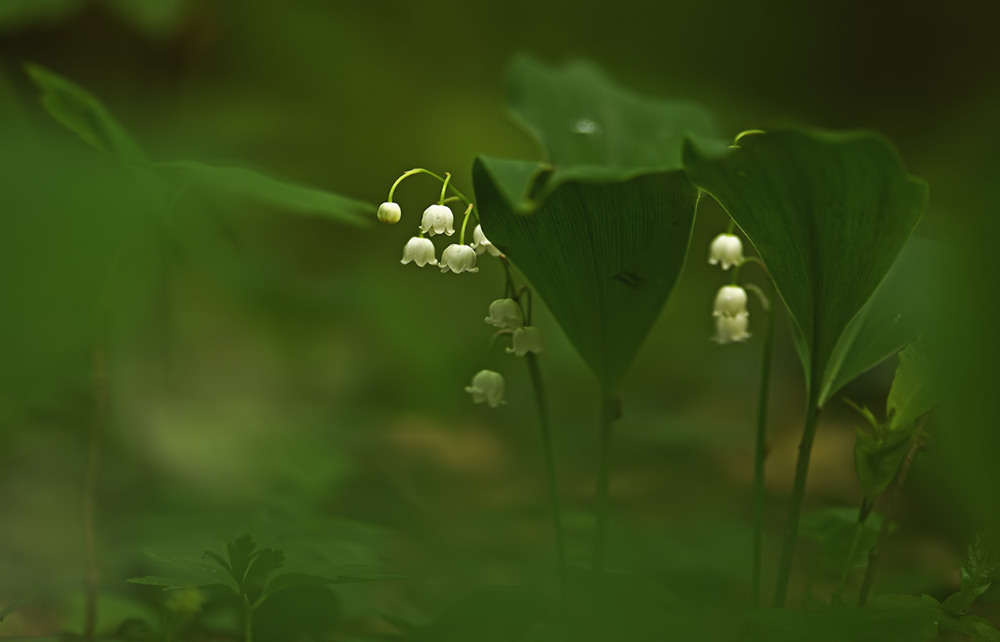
(439, 219)
(731, 316)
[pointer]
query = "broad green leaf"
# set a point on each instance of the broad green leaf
(827, 212)
(892, 317)
(79, 111)
(591, 128)
(603, 256)
(912, 393)
(245, 183)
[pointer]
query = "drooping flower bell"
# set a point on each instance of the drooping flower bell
(731, 329)
(525, 340)
(420, 251)
(482, 244)
(487, 387)
(389, 212)
(505, 313)
(458, 258)
(726, 249)
(731, 316)
(438, 219)
(730, 301)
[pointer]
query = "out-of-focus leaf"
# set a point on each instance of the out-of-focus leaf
(16, 604)
(832, 529)
(827, 212)
(592, 129)
(157, 18)
(912, 621)
(977, 628)
(893, 317)
(603, 256)
(17, 14)
(878, 461)
(265, 561)
(245, 183)
(78, 110)
(173, 582)
(913, 392)
(350, 576)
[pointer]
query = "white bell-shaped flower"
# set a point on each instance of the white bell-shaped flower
(505, 313)
(389, 213)
(458, 258)
(731, 301)
(487, 387)
(729, 329)
(482, 244)
(525, 340)
(438, 219)
(420, 251)
(726, 249)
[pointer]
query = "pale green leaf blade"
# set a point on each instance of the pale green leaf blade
(893, 317)
(244, 183)
(828, 213)
(913, 392)
(603, 256)
(81, 112)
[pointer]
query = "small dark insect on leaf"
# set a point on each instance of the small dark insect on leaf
(630, 279)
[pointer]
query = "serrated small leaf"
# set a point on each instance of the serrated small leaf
(241, 551)
(982, 562)
(913, 392)
(245, 183)
(265, 561)
(79, 111)
(195, 571)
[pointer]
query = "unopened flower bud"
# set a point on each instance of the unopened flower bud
(389, 213)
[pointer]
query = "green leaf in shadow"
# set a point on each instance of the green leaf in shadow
(245, 183)
(913, 392)
(79, 111)
(602, 231)
(603, 256)
(827, 212)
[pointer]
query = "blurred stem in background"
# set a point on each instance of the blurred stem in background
(550, 468)
(610, 410)
(890, 511)
(90, 490)
(798, 489)
(760, 446)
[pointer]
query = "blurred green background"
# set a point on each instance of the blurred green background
(284, 374)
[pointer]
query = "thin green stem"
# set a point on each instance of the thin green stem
(609, 412)
(798, 492)
(465, 222)
(247, 619)
(90, 493)
(550, 467)
(421, 170)
(873, 554)
(852, 552)
(760, 446)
